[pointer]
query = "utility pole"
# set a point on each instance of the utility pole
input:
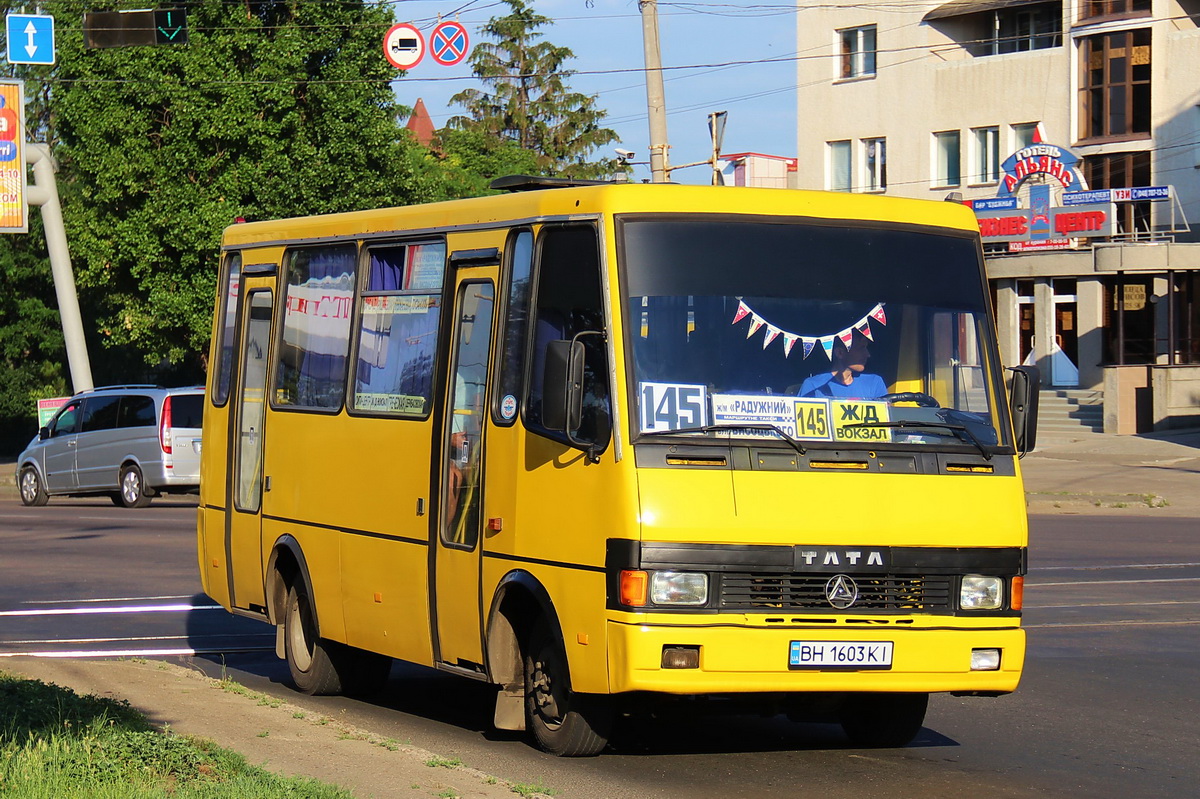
(656, 103)
(44, 193)
(716, 129)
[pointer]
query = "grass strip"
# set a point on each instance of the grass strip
(55, 743)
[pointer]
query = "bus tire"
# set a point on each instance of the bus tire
(880, 721)
(33, 493)
(563, 723)
(308, 657)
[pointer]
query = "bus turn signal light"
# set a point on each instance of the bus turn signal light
(1018, 593)
(634, 588)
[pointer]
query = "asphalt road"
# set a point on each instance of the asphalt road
(1107, 707)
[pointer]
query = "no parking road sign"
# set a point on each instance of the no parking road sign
(449, 43)
(404, 46)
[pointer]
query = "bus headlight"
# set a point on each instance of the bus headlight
(981, 593)
(679, 588)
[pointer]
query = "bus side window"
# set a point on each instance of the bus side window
(569, 301)
(315, 341)
(227, 351)
(516, 322)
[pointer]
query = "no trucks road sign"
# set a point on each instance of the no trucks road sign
(404, 46)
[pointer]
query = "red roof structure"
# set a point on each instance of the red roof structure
(420, 123)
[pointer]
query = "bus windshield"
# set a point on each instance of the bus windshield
(840, 332)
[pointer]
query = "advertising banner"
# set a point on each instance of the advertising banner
(14, 216)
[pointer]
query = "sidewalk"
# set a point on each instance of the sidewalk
(1153, 474)
(269, 732)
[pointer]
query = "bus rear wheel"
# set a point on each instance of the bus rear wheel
(563, 723)
(321, 667)
(881, 721)
(307, 655)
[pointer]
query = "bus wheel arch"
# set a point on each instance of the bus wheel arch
(319, 666)
(528, 658)
(286, 565)
(519, 601)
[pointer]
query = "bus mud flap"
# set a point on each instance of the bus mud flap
(510, 707)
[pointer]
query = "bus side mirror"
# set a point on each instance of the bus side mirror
(562, 401)
(1023, 400)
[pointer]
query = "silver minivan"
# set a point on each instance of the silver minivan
(128, 442)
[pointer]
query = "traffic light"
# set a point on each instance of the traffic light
(135, 28)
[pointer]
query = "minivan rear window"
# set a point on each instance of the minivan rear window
(187, 410)
(136, 411)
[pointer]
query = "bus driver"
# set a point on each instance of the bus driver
(847, 378)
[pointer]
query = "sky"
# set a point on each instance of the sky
(715, 55)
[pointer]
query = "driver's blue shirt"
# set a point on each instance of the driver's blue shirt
(863, 386)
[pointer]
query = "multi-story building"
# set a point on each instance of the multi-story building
(1025, 104)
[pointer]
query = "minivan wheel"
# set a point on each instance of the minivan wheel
(133, 488)
(32, 491)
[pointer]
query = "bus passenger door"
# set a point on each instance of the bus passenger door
(243, 518)
(458, 609)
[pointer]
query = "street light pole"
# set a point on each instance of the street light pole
(656, 103)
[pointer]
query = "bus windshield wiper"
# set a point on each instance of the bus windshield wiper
(717, 428)
(959, 430)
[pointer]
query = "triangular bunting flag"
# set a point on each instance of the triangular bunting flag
(878, 315)
(809, 343)
(741, 313)
(827, 343)
(772, 334)
(865, 328)
(756, 322)
(789, 341)
(847, 336)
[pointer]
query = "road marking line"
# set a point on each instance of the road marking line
(1117, 582)
(134, 653)
(131, 638)
(104, 599)
(1115, 604)
(129, 609)
(1122, 623)
(1114, 566)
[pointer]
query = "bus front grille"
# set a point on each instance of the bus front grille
(772, 592)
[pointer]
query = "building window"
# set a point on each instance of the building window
(875, 153)
(1036, 27)
(1023, 135)
(947, 146)
(985, 143)
(1120, 171)
(840, 166)
(1093, 9)
(858, 51)
(1114, 89)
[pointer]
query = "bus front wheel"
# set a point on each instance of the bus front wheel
(563, 723)
(883, 720)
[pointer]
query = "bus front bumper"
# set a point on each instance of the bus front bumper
(744, 658)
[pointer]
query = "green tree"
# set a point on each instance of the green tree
(527, 99)
(472, 159)
(271, 109)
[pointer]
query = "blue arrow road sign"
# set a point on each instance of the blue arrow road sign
(30, 38)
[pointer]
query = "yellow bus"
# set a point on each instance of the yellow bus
(608, 444)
